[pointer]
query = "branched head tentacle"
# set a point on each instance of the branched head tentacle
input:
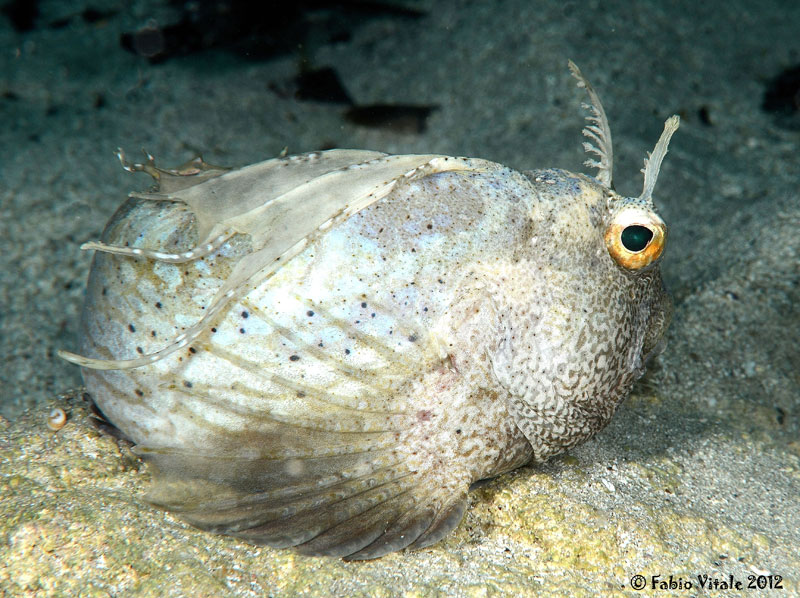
(149, 165)
(597, 130)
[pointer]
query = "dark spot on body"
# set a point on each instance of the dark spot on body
(187, 384)
(140, 351)
(310, 313)
(158, 304)
(294, 357)
(245, 315)
(412, 338)
(241, 330)
(105, 291)
(363, 304)
(192, 350)
(430, 226)
(300, 394)
(131, 328)
(347, 351)
(424, 415)
(458, 431)
(213, 329)
(153, 333)
(139, 393)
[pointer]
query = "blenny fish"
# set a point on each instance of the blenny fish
(326, 351)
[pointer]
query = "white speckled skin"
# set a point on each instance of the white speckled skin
(365, 311)
(325, 351)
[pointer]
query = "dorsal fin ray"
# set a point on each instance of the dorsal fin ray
(201, 186)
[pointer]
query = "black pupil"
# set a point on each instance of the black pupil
(635, 238)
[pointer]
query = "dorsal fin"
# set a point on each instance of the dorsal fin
(597, 130)
(285, 222)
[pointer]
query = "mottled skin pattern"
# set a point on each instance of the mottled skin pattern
(572, 345)
(460, 327)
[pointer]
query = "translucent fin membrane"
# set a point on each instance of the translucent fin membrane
(355, 505)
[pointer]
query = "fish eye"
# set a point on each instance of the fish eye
(636, 238)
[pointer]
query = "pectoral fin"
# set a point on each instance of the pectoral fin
(358, 506)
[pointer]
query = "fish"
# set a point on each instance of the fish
(326, 351)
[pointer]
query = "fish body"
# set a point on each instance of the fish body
(325, 351)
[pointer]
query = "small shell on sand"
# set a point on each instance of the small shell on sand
(56, 419)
